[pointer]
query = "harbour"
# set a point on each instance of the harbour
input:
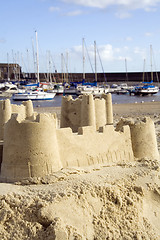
(117, 99)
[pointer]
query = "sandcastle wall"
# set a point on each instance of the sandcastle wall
(35, 148)
(86, 111)
(88, 147)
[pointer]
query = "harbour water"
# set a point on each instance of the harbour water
(116, 99)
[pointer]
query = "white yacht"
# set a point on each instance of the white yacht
(37, 94)
(95, 90)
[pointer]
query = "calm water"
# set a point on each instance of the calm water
(126, 98)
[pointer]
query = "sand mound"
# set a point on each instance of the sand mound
(103, 202)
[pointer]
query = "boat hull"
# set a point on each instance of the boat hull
(33, 96)
(146, 89)
(144, 92)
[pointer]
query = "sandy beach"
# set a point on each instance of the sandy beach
(128, 109)
(114, 201)
(151, 109)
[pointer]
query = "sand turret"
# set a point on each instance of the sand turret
(6, 109)
(5, 115)
(100, 112)
(30, 148)
(70, 113)
(28, 108)
(144, 141)
(143, 137)
(109, 110)
(87, 111)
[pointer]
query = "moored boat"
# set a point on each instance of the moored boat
(58, 89)
(145, 89)
(95, 90)
(8, 89)
(33, 95)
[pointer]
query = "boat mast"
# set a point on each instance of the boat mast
(62, 68)
(83, 58)
(101, 65)
(34, 59)
(8, 66)
(95, 61)
(28, 63)
(37, 59)
(19, 72)
(67, 66)
(144, 70)
(126, 69)
(49, 67)
(151, 63)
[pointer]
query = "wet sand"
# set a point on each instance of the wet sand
(124, 110)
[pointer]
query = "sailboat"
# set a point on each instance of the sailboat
(36, 93)
(91, 88)
(147, 88)
(123, 88)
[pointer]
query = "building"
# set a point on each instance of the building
(10, 71)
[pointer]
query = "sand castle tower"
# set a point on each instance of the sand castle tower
(70, 113)
(5, 115)
(143, 137)
(109, 109)
(86, 111)
(30, 148)
(6, 109)
(28, 108)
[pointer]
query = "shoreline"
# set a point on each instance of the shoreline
(121, 109)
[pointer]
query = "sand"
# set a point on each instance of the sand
(99, 202)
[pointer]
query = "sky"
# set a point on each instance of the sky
(125, 34)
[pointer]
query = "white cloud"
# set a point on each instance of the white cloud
(2, 40)
(148, 34)
(141, 52)
(129, 38)
(122, 14)
(123, 7)
(111, 56)
(122, 58)
(148, 9)
(129, 4)
(77, 49)
(74, 13)
(106, 52)
(54, 9)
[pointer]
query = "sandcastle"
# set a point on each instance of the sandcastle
(86, 111)
(33, 146)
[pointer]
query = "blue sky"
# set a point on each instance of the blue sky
(122, 29)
